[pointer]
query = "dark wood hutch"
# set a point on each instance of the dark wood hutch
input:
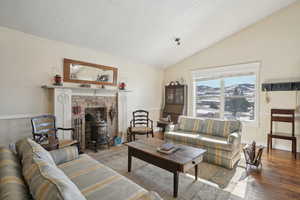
(175, 101)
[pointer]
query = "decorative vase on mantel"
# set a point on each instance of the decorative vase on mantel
(122, 86)
(58, 80)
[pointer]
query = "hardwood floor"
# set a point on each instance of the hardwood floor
(279, 178)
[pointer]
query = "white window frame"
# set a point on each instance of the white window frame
(243, 69)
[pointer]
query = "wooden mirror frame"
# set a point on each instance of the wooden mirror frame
(68, 62)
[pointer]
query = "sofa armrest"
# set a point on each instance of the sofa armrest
(172, 127)
(234, 138)
(65, 154)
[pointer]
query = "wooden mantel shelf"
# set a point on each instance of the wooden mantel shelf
(77, 88)
(84, 88)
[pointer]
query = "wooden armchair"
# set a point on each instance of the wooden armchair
(44, 132)
(140, 124)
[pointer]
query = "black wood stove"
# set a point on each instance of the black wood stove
(99, 133)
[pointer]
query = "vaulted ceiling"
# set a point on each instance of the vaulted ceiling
(139, 30)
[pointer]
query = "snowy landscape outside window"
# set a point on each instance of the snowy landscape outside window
(226, 94)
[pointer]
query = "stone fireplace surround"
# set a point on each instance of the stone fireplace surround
(86, 104)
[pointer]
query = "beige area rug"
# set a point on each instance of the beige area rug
(215, 183)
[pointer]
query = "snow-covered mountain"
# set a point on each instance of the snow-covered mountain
(244, 88)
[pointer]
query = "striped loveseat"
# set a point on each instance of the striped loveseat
(221, 138)
(34, 173)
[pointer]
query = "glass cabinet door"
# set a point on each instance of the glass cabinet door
(179, 94)
(170, 95)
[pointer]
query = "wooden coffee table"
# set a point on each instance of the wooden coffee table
(181, 160)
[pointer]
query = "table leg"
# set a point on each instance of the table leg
(196, 172)
(268, 144)
(96, 146)
(294, 148)
(176, 177)
(129, 160)
(107, 141)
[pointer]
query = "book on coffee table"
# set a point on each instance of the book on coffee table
(167, 148)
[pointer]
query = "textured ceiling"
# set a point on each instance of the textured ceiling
(139, 30)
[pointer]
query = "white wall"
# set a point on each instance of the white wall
(27, 62)
(275, 42)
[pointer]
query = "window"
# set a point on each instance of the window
(208, 98)
(227, 92)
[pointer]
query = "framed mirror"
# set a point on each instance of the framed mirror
(89, 73)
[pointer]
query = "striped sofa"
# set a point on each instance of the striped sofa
(221, 138)
(34, 173)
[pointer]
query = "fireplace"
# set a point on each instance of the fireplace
(69, 103)
(96, 127)
(96, 115)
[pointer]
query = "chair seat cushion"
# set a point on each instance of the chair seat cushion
(141, 129)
